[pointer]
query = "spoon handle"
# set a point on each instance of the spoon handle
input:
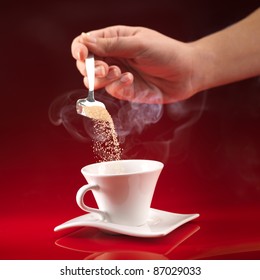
(90, 67)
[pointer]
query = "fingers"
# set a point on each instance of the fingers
(114, 31)
(117, 46)
(122, 88)
(117, 41)
(78, 50)
(114, 73)
(101, 68)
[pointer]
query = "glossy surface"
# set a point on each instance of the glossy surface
(158, 224)
(209, 145)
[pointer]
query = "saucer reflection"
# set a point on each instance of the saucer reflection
(102, 246)
(125, 255)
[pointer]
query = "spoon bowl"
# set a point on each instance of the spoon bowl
(85, 106)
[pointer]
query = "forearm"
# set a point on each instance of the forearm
(229, 55)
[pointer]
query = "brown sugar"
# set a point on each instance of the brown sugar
(105, 143)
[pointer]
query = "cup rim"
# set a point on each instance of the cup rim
(158, 167)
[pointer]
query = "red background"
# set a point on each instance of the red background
(212, 163)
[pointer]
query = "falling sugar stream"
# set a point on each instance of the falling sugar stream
(105, 144)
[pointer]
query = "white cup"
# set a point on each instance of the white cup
(123, 189)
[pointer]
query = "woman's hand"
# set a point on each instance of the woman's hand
(137, 64)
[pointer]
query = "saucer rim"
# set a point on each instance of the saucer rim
(128, 230)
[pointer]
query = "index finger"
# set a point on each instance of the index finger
(78, 49)
(114, 31)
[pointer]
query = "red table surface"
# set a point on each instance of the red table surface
(41, 175)
(211, 152)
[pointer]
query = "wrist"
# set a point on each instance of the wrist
(204, 66)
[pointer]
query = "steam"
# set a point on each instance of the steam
(132, 118)
(184, 114)
(174, 137)
(135, 123)
(62, 111)
(129, 118)
(166, 132)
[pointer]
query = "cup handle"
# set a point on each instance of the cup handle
(80, 200)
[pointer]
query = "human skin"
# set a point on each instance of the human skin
(143, 65)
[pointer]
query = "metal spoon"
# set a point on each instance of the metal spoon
(85, 106)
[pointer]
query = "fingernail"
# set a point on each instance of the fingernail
(124, 79)
(89, 37)
(100, 71)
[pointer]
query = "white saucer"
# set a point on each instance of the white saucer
(159, 223)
